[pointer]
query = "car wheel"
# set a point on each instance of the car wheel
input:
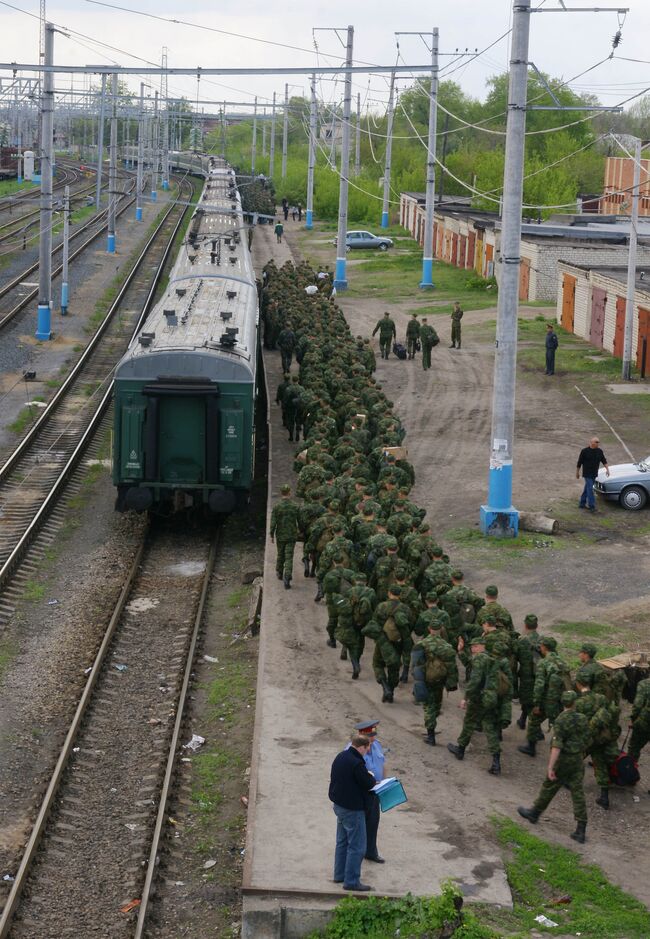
(347, 247)
(633, 498)
(383, 246)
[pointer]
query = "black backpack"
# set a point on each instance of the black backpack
(399, 350)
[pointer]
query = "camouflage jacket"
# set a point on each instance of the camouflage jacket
(503, 617)
(571, 732)
(436, 647)
(602, 717)
(550, 682)
(413, 329)
(433, 617)
(641, 706)
(284, 520)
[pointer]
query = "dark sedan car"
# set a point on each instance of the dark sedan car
(627, 483)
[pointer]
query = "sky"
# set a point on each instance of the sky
(561, 44)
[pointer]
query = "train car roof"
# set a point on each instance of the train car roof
(205, 325)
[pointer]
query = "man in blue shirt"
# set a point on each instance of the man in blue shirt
(350, 782)
(375, 762)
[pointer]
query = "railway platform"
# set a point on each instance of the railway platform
(306, 708)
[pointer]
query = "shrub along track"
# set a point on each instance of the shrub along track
(34, 476)
(89, 864)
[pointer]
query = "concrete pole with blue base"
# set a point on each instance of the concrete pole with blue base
(499, 518)
(389, 150)
(254, 140)
(100, 144)
(154, 150)
(43, 326)
(309, 217)
(112, 170)
(139, 183)
(272, 144)
(427, 248)
(340, 280)
(66, 251)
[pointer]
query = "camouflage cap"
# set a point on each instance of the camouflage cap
(367, 509)
(338, 557)
(401, 570)
(285, 488)
(391, 543)
(395, 589)
(495, 643)
(491, 591)
(549, 642)
(457, 574)
(436, 551)
(490, 619)
(569, 698)
(359, 578)
(477, 641)
(585, 676)
(589, 648)
(431, 595)
(335, 505)
(531, 621)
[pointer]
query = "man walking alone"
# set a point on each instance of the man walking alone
(590, 459)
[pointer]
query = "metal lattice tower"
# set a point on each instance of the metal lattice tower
(41, 34)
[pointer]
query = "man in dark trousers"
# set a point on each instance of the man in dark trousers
(375, 760)
(350, 783)
(551, 346)
(590, 459)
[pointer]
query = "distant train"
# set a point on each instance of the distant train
(186, 389)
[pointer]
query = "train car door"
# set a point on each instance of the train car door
(181, 435)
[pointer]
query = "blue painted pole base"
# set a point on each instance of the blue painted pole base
(154, 195)
(19, 179)
(64, 299)
(309, 219)
(427, 274)
(340, 280)
(499, 523)
(138, 214)
(384, 219)
(110, 247)
(165, 185)
(43, 327)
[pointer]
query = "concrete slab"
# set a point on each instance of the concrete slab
(629, 389)
(306, 707)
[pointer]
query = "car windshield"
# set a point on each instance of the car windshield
(646, 460)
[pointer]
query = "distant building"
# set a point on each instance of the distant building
(619, 182)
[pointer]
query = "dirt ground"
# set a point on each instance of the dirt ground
(307, 702)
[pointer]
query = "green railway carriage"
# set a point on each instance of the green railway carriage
(186, 389)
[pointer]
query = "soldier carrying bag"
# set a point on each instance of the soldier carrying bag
(624, 771)
(435, 669)
(391, 630)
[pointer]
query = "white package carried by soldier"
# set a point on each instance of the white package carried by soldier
(400, 453)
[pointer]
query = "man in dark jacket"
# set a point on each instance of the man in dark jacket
(551, 346)
(349, 783)
(590, 459)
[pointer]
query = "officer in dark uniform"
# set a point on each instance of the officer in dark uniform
(374, 760)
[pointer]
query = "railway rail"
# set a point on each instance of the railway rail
(68, 175)
(90, 863)
(34, 476)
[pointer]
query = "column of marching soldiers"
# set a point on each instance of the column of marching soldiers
(383, 577)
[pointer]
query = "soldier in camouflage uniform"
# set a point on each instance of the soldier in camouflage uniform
(428, 339)
(604, 729)
(412, 335)
(566, 767)
(433, 615)
(640, 719)
(284, 529)
(355, 610)
(390, 627)
(287, 344)
(437, 573)
(552, 677)
(291, 408)
(590, 670)
(280, 393)
(504, 618)
(462, 606)
(434, 663)
(336, 584)
(482, 705)
(307, 515)
(456, 317)
(527, 655)
(387, 332)
(383, 573)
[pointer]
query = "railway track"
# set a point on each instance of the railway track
(68, 175)
(35, 475)
(90, 863)
(12, 301)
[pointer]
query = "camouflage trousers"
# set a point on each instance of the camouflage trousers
(287, 356)
(638, 739)
(411, 347)
(433, 705)
(570, 772)
(426, 357)
(284, 559)
(388, 672)
(526, 694)
(455, 333)
(602, 756)
(332, 615)
(535, 721)
(350, 636)
(384, 344)
(477, 718)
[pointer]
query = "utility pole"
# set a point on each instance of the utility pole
(626, 372)
(285, 131)
(43, 329)
(164, 103)
(154, 150)
(264, 134)
(100, 143)
(272, 145)
(389, 149)
(112, 170)
(254, 143)
(309, 216)
(340, 281)
(357, 143)
(224, 135)
(66, 251)
(499, 517)
(140, 170)
(430, 204)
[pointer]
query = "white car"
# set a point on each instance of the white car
(627, 483)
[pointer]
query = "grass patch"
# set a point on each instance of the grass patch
(237, 597)
(538, 872)
(585, 630)
(7, 653)
(26, 417)
(229, 692)
(33, 591)
(523, 542)
(8, 186)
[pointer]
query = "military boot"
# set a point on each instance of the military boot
(603, 798)
(521, 723)
(404, 677)
(331, 642)
(457, 750)
(287, 582)
(431, 738)
(306, 566)
(387, 697)
(356, 667)
(579, 834)
(279, 573)
(530, 748)
(319, 593)
(532, 815)
(344, 654)
(495, 769)
(313, 569)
